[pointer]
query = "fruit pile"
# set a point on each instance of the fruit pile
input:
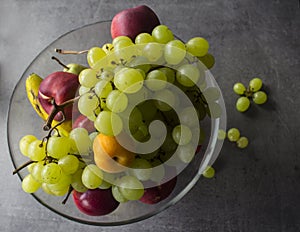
(105, 142)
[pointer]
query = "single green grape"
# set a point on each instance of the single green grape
(242, 142)
(187, 75)
(36, 171)
(186, 152)
(121, 38)
(233, 134)
(116, 101)
(51, 173)
(222, 134)
(76, 181)
(128, 80)
(131, 188)
(156, 80)
(81, 141)
(58, 147)
(255, 84)
(143, 38)
(174, 52)
(242, 104)
(162, 34)
(30, 185)
(197, 46)
(141, 169)
(92, 176)
(87, 104)
(108, 123)
(94, 55)
(36, 150)
(208, 60)
(239, 88)
(209, 172)
(182, 134)
(24, 143)
(69, 164)
(103, 88)
(259, 97)
(88, 78)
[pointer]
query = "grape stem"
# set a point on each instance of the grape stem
(23, 166)
(68, 195)
(55, 111)
(61, 63)
(61, 51)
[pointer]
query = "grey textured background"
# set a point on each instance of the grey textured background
(256, 189)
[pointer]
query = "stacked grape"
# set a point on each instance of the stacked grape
(253, 92)
(129, 86)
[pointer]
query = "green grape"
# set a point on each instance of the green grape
(122, 44)
(76, 181)
(259, 97)
(69, 164)
(148, 110)
(93, 136)
(30, 185)
(36, 172)
(116, 101)
(242, 104)
(134, 120)
(51, 173)
(242, 142)
(131, 188)
(92, 176)
(165, 99)
(24, 143)
(153, 51)
(182, 134)
(81, 140)
(108, 123)
(189, 117)
(141, 133)
(186, 152)
(233, 134)
(156, 80)
(170, 74)
(209, 172)
(87, 104)
(103, 88)
(174, 52)
(239, 88)
(30, 167)
(117, 194)
(58, 147)
(211, 94)
(128, 80)
(108, 180)
(208, 60)
(82, 90)
(141, 169)
(255, 84)
(158, 171)
(46, 189)
(88, 78)
(108, 48)
(62, 186)
(222, 134)
(143, 38)
(94, 55)
(162, 34)
(121, 38)
(36, 150)
(197, 46)
(106, 74)
(187, 75)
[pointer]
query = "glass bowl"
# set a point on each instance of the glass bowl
(23, 120)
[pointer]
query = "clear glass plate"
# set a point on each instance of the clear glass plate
(23, 120)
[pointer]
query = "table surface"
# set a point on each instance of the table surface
(256, 189)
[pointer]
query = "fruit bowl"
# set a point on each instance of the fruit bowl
(22, 120)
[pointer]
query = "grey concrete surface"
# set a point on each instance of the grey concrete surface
(256, 189)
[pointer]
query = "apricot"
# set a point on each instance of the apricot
(109, 155)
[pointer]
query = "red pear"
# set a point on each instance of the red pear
(60, 87)
(83, 122)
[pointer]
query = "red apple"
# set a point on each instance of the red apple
(133, 21)
(95, 202)
(83, 122)
(160, 191)
(59, 86)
